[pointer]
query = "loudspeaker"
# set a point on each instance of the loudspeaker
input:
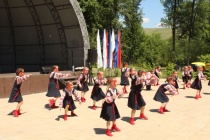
(45, 70)
(92, 55)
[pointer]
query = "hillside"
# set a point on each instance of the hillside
(165, 32)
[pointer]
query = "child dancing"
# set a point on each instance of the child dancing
(124, 77)
(197, 82)
(66, 100)
(82, 83)
(15, 95)
(135, 99)
(97, 93)
(160, 95)
(53, 88)
(109, 110)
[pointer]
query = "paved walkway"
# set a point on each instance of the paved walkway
(189, 119)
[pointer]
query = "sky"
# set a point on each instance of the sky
(152, 13)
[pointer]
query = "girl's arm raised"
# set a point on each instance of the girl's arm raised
(76, 95)
(23, 78)
(171, 89)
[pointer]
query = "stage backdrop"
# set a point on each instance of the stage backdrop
(36, 33)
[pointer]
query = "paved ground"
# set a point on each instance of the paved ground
(189, 119)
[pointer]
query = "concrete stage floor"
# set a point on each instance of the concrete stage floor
(189, 119)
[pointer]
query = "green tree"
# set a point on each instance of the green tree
(132, 32)
(192, 26)
(99, 14)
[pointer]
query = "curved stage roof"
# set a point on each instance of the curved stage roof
(36, 33)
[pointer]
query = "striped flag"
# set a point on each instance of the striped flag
(116, 52)
(104, 50)
(119, 50)
(99, 60)
(111, 48)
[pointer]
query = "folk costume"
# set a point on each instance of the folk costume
(67, 99)
(53, 87)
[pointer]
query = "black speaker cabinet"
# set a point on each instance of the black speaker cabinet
(92, 55)
(45, 70)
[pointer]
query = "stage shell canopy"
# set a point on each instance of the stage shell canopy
(37, 33)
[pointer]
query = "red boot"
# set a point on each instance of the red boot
(126, 92)
(83, 99)
(165, 110)
(114, 127)
(51, 101)
(54, 106)
(132, 121)
(188, 85)
(123, 89)
(142, 116)
(108, 132)
(65, 117)
(73, 114)
(15, 113)
(196, 97)
(161, 110)
(200, 96)
(94, 107)
(19, 112)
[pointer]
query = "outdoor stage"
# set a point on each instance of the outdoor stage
(37, 83)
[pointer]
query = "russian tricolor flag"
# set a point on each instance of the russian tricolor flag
(117, 52)
(111, 49)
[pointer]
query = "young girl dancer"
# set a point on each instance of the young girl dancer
(160, 95)
(15, 95)
(97, 93)
(135, 99)
(151, 79)
(197, 82)
(109, 110)
(53, 88)
(158, 73)
(190, 71)
(175, 79)
(124, 77)
(66, 100)
(133, 77)
(185, 77)
(82, 83)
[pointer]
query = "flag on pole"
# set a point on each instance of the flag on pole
(116, 52)
(119, 50)
(99, 59)
(109, 50)
(104, 50)
(111, 47)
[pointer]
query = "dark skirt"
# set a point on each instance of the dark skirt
(160, 96)
(185, 79)
(176, 85)
(97, 94)
(109, 112)
(15, 96)
(135, 100)
(148, 87)
(157, 75)
(53, 90)
(84, 87)
(196, 84)
(124, 81)
(69, 101)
